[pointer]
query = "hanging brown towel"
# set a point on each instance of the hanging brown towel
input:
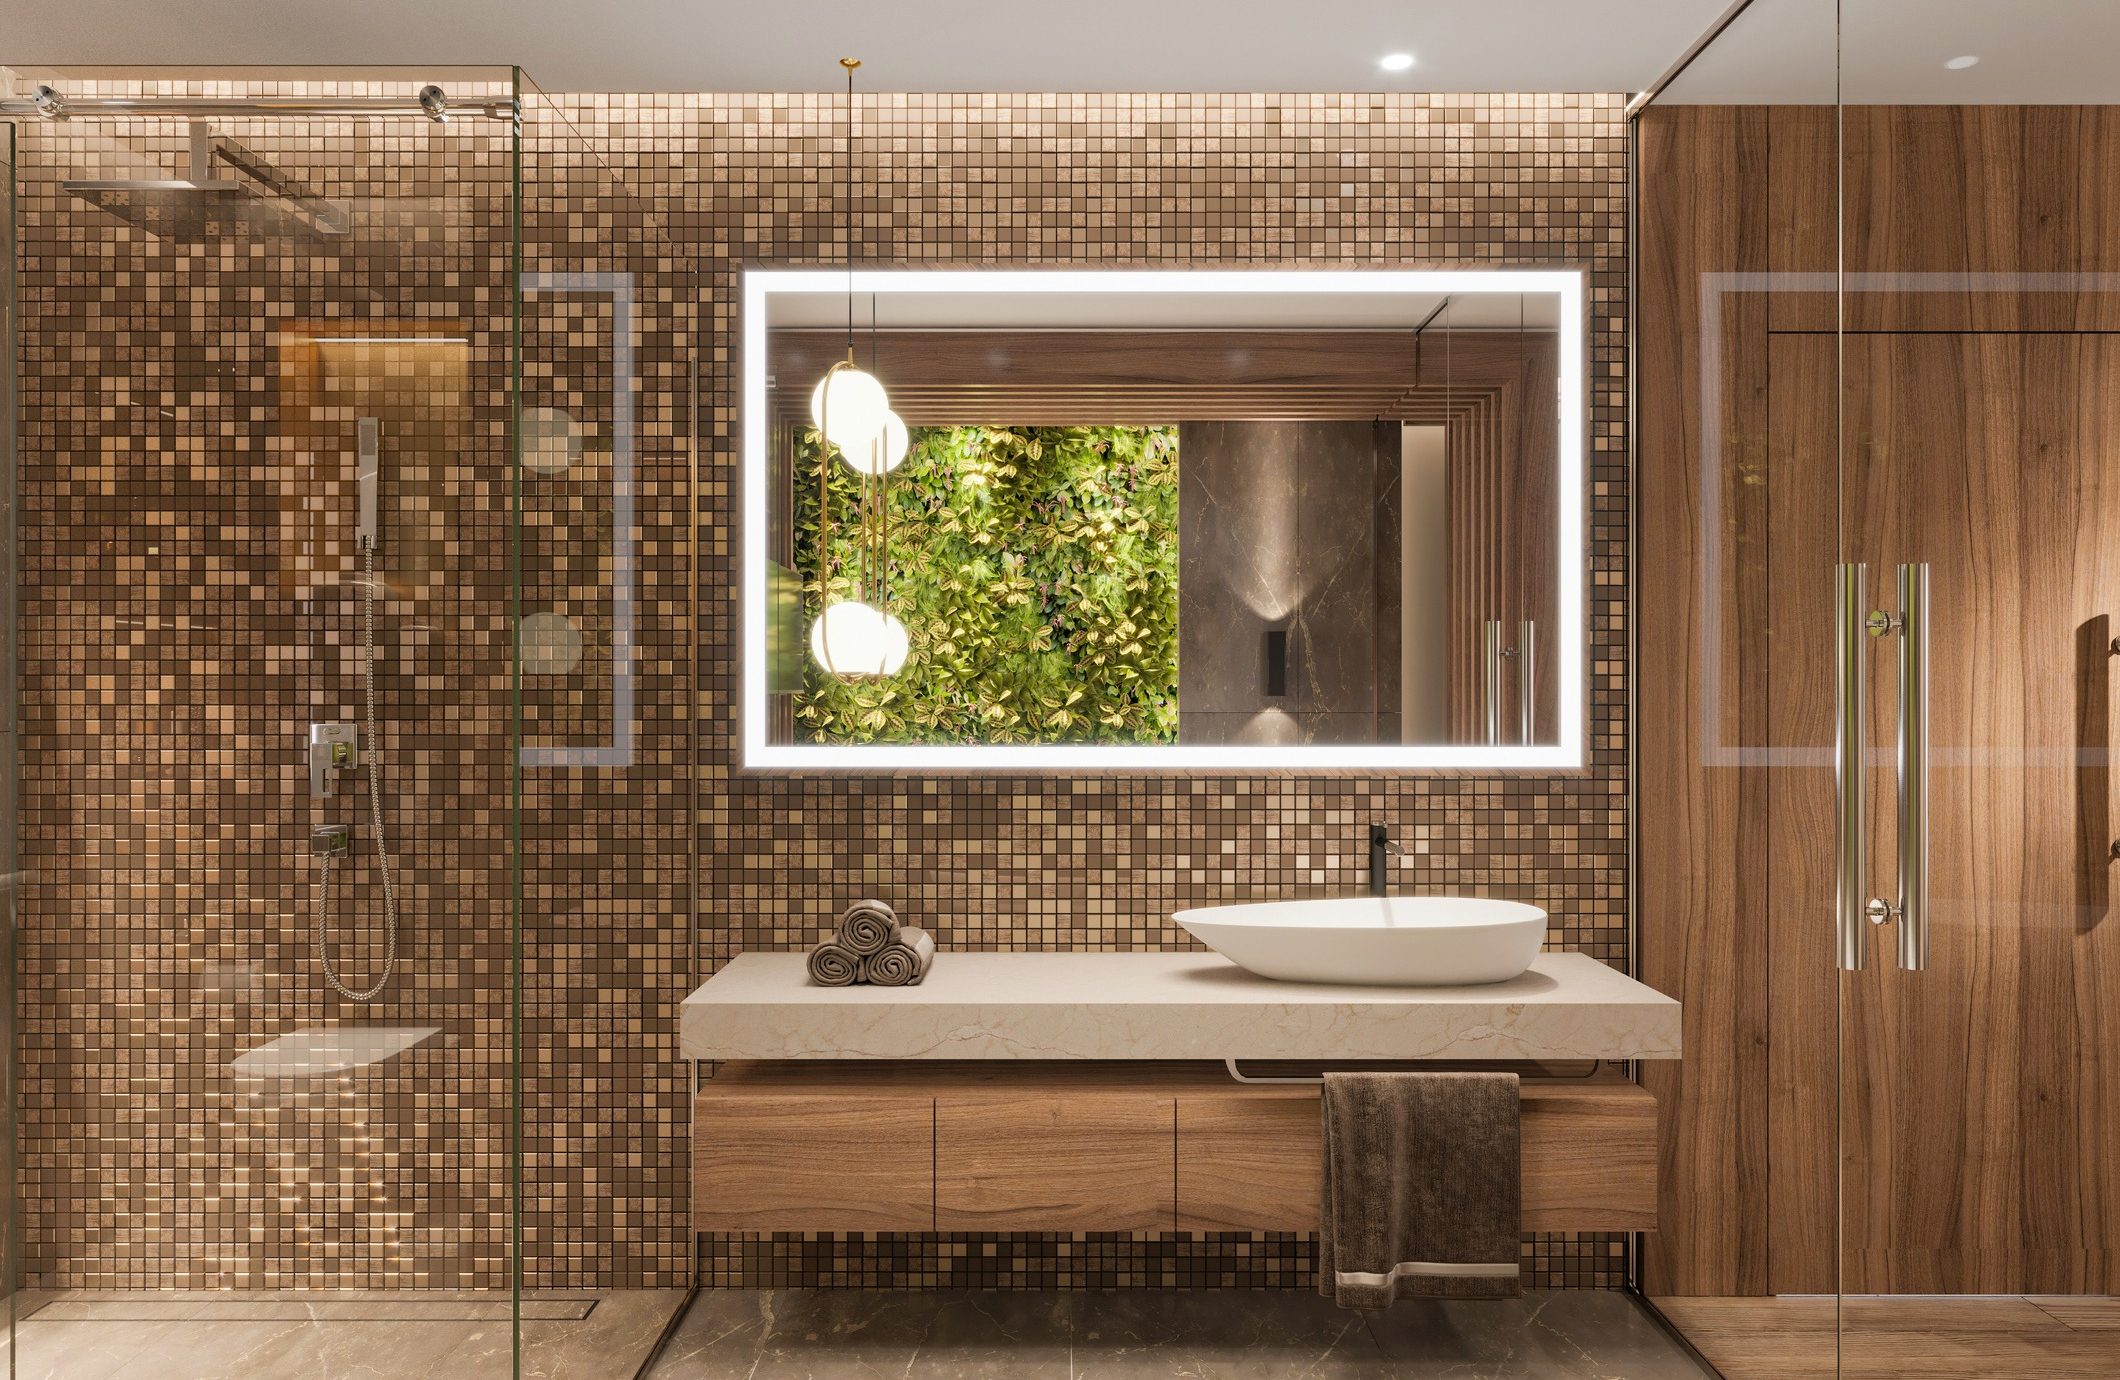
(1422, 1189)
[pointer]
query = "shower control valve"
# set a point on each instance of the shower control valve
(333, 747)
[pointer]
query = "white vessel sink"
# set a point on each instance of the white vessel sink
(1376, 941)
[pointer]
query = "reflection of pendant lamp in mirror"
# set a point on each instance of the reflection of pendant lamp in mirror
(857, 636)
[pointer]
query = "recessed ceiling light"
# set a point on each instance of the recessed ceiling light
(1959, 64)
(1395, 62)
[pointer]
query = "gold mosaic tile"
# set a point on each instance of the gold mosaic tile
(184, 613)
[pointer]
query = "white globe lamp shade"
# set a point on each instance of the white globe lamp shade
(897, 645)
(885, 451)
(852, 638)
(849, 407)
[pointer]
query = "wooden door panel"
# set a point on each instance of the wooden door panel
(1981, 1096)
(1795, 886)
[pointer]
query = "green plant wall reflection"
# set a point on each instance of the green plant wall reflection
(1036, 569)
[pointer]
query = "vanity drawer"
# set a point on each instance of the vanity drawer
(1072, 1147)
(807, 1161)
(1248, 1158)
(1072, 1161)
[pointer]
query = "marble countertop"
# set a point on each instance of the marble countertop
(1169, 1006)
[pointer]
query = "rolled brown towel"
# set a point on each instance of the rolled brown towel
(867, 926)
(903, 962)
(834, 965)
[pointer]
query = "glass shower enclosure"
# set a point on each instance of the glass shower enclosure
(1885, 235)
(265, 851)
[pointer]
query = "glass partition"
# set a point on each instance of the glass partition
(1739, 469)
(264, 959)
(10, 1107)
(1878, 277)
(1979, 1048)
(605, 594)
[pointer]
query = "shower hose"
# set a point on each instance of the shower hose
(375, 808)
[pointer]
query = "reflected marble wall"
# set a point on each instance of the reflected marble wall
(1290, 525)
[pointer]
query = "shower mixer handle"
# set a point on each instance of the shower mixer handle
(333, 747)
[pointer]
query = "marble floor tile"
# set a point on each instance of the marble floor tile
(339, 1335)
(1568, 1334)
(63, 1349)
(722, 1334)
(974, 1336)
(846, 1335)
(612, 1340)
(1162, 1335)
(842, 1335)
(308, 1350)
(1220, 1335)
(196, 1349)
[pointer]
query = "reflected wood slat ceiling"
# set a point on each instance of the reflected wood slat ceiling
(1139, 378)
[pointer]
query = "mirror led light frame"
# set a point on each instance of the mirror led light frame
(1566, 754)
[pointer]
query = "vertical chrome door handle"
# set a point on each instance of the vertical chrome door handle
(1527, 682)
(1914, 766)
(1850, 730)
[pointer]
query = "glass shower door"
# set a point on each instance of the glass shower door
(1978, 387)
(268, 354)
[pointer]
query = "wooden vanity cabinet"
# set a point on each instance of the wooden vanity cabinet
(1075, 1160)
(1097, 1147)
(799, 1161)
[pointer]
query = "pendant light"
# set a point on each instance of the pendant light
(857, 637)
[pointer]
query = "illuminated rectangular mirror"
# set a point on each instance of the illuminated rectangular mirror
(1165, 520)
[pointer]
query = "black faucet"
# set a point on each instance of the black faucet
(1380, 849)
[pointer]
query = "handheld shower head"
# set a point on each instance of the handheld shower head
(367, 473)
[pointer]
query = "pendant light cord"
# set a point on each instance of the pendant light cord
(848, 171)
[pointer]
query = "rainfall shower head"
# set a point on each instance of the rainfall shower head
(204, 204)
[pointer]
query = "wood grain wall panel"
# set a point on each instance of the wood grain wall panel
(1980, 1095)
(1701, 685)
(1802, 810)
(1968, 1087)
(2026, 192)
(1983, 189)
(1802, 216)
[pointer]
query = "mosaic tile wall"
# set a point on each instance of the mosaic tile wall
(190, 601)
(1100, 862)
(189, 606)
(608, 848)
(183, 616)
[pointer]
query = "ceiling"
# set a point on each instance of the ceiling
(1893, 52)
(909, 45)
(2033, 51)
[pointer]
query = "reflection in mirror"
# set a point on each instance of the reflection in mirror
(1298, 519)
